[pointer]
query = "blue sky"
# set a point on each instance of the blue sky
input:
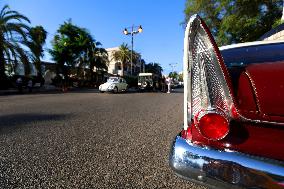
(161, 40)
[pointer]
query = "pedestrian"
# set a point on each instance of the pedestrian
(63, 83)
(155, 85)
(163, 84)
(19, 83)
(169, 81)
(30, 85)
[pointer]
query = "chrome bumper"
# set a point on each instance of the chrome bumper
(224, 169)
(106, 89)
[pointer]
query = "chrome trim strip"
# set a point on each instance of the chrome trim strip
(224, 169)
(187, 80)
(243, 118)
(255, 91)
(248, 44)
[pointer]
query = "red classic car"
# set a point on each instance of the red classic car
(233, 135)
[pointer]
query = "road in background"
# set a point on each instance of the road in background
(89, 140)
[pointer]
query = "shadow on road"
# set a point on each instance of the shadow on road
(16, 120)
(54, 91)
(178, 90)
(82, 90)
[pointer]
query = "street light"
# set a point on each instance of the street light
(173, 65)
(133, 31)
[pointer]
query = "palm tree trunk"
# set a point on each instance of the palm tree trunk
(38, 67)
(92, 71)
(27, 68)
(2, 65)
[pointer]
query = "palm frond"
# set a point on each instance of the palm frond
(14, 15)
(17, 29)
(3, 10)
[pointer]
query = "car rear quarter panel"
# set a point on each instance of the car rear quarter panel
(261, 139)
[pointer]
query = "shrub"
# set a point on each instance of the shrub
(132, 81)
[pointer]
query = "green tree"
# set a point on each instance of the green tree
(100, 57)
(65, 50)
(74, 46)
(173, 75)
(136, 58)
(143, 63)
(123, 56)
(153, 67)
(180, 76)
(37, 37)
(235, 21)
(93, 56)
(13, 32)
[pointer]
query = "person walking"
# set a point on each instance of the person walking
(30, 85)
(63, 83)
(19, 83)
(163, 84)
(169, 80)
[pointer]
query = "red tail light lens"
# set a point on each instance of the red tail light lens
(213, 126)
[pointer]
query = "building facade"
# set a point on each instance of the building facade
(115, 67)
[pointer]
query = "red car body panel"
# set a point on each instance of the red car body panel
(260, 92)
(246, 99)
(268, 84)
(260, 96)
(262, 140)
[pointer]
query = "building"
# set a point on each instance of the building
(81, 73)
(114, 67)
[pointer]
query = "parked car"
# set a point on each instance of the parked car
(148, 81)
(233, 132)
(114, 84)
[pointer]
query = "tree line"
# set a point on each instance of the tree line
(74, 50)
(236, 21)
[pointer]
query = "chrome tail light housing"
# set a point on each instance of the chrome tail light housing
(207, 85)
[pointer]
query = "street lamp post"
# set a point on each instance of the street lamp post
(133, 31)
(173, 65)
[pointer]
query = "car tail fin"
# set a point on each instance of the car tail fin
(208, 85)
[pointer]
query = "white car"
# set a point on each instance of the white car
(114, 84)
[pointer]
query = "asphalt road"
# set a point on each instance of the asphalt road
(89, 140)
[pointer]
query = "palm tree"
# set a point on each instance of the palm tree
(37, 37)
(76, 47)
(136, 59)
(100, 59)
(154, 67)
(123, 56)
(143, 62)
(91, 54)
(12, 32)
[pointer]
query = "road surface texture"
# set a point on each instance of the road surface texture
(89, 140)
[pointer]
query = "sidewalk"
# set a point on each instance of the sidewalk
(44, 89)
(8, 91)
(13, 91)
